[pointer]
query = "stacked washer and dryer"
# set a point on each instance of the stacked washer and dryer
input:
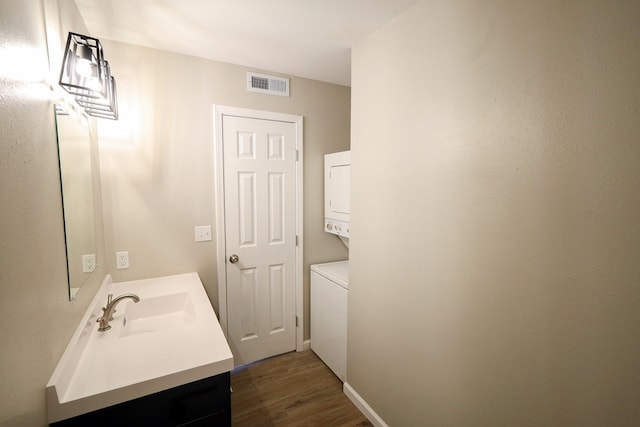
(330, 281)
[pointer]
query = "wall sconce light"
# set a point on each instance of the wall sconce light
(87, 75)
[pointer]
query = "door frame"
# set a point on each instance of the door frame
(219, 111)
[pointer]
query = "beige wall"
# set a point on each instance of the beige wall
(494, 269)
(36, 317)
(157, 159)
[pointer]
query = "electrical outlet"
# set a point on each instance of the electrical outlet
(88, 263)
(122, 260)
(203, 233)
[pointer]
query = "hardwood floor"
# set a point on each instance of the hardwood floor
(294, 389)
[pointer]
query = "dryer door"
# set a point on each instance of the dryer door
(337, 184)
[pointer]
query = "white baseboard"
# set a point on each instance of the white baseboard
(363, 406)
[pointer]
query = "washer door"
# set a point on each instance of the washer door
(329, 323)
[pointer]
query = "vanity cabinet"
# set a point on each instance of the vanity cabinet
(206, 402)
(121, 378)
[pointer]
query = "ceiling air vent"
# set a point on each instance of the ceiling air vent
(267, 84)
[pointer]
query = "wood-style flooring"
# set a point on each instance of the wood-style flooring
(294, 389)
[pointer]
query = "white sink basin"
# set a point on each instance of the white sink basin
(171, 337)
(157, 314)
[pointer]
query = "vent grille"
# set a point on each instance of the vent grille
(267, 84)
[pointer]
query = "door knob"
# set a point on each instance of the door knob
(234, 258)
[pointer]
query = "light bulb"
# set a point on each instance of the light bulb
(83, 61)
(83, 67)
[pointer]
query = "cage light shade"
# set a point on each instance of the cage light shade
(106, 108)
(103, 107)
(83, 71)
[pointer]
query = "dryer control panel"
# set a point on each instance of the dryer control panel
(337, 184)
(341, 228)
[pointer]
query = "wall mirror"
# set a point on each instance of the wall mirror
(76, 176)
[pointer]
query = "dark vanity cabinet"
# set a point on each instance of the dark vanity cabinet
(206, 402)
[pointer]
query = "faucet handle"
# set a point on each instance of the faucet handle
(109, 298)
(105, 308)
(113, 310)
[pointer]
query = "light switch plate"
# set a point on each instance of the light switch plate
(203, 233)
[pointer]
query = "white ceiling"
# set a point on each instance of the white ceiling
(305, 38)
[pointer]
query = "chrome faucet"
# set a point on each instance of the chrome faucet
(107, 312)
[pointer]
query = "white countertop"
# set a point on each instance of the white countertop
(100, 369)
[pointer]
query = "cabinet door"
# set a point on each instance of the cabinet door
(194, 404)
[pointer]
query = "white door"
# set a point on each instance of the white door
(260, 236)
